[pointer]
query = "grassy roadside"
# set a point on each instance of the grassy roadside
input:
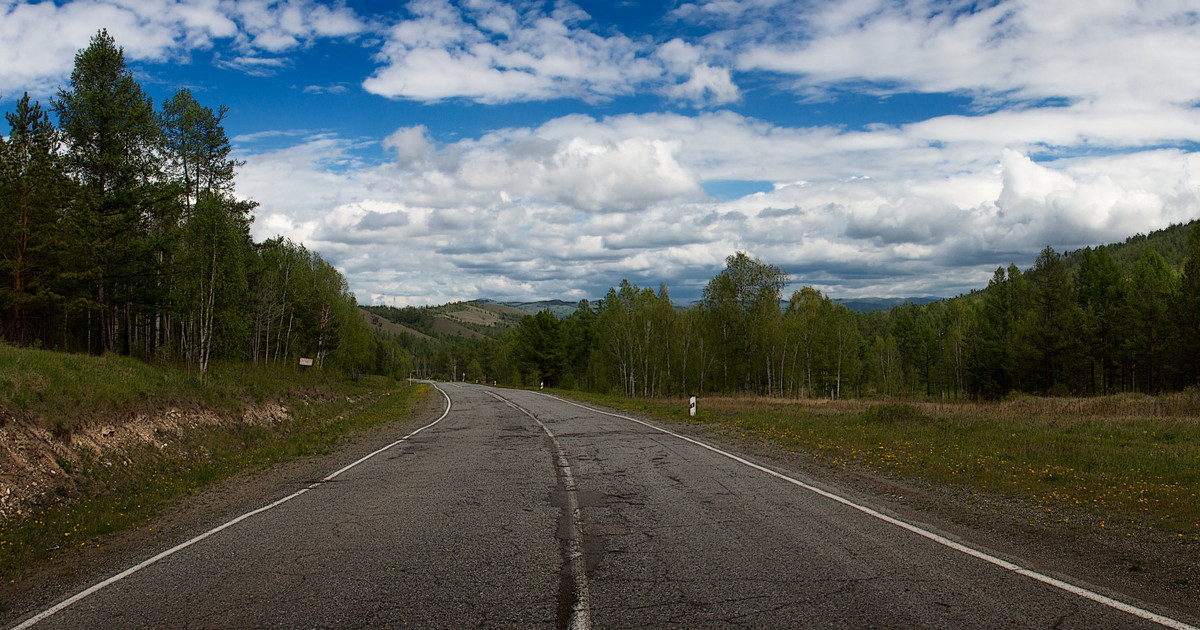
(1128, 462)
(66, 391)
(121, 491)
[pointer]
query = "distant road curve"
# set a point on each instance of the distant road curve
(516, 509)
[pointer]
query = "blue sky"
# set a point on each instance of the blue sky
(438, 150)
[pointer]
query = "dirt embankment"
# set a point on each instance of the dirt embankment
(38, 466)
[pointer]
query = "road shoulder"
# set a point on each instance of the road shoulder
(79, 568)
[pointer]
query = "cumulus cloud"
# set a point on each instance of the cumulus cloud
(1123, 50)
(578, 203)
(410, 144)
(706, 85)
(497, 52)
(1078, 130)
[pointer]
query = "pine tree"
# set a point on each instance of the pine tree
(1054, 318)
(1100, 293)
(1187, 313)
(113, 154)
(1152, 289)
(33, 191)
(197, 146)
(1001, 348)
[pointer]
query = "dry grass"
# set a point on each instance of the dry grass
(475, 315)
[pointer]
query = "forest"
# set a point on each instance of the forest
(120, 232)
(1096, 321)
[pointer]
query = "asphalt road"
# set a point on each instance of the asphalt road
(519, 510)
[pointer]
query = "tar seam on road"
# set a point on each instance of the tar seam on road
(580, 617)
(28, 623)
(942, 540)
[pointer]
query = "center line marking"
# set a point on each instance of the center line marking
(581, 616)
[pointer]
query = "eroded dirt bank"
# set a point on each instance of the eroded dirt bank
(41, 468)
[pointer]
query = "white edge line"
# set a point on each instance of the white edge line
(28, 623)
(942, 540)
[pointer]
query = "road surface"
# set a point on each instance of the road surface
(519, 510)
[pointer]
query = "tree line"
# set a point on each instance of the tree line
(120, 232)
(1086, 329)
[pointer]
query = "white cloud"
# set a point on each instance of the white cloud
(276, 26)
(578, 203)
(253, 65)
(494, 52)
(706, 85)
(410, 144)
(1121, 50)
(38, 59)
(1078, 112)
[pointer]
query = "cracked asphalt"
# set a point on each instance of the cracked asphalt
(462, 527)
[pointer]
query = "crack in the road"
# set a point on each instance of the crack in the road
(574, 610)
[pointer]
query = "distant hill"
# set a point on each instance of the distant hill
(470, 320)
(450, 328)
(384, 325)
(560, 308)
(502, 309)
(868, 304)
(1170, 243)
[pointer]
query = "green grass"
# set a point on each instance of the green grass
(121, 492)
(1131, 462)
(67, 390)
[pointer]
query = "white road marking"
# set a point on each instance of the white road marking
(581, 615)
(942, 540)
(28, 623)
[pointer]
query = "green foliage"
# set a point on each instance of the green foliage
(113, 140)
(211, 286)
(198, 148)
(1152, 289)
(744, 303)
(539, 349)
(1100, 329)
(120, 233)
(417, 318)
(1170, 243)
(1100, 291)
(1054, 320)
(1187, 315)
(33, 189)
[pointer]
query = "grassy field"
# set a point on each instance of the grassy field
(1129, 461)
(126, 490)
